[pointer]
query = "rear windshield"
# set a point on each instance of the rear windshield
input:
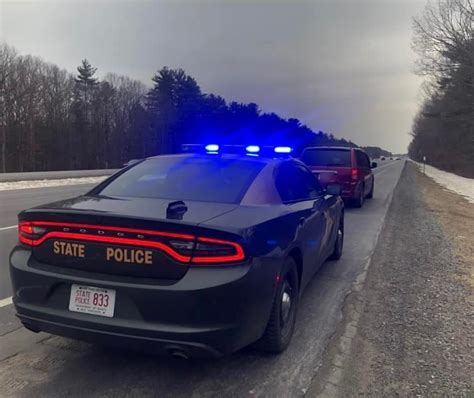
(327, 157)
(207, 179)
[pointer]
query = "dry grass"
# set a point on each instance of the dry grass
(456, 215)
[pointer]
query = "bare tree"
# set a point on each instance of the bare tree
(7, 58)
(444, 129)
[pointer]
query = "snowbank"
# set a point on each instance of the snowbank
(461, 185)
(8, 186)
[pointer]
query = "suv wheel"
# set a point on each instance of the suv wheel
(359, 201)
(279, 330)
(370, 195)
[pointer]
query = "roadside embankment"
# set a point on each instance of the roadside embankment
(54, 175)
(409, 329)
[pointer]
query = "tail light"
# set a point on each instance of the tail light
(184, 248)
(354, 173)
(209, 250)
(28, 233)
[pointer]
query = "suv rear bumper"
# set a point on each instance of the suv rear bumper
(211, 311)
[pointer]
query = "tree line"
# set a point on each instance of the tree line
(51, 119)
(443, 131)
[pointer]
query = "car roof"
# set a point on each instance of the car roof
(347, 148)
(229, 156)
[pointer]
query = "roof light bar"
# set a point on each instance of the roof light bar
(283, 149)
(239, 149)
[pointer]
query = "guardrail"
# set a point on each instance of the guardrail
(54, 175)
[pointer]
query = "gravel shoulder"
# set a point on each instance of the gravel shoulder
(408, 330)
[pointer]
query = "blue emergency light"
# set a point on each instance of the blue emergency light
(252, 149)
(283, 149)
(212, 148)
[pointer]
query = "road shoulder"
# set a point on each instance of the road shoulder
(408, 329)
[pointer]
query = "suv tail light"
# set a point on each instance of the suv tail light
(354, 173)
(184, 248)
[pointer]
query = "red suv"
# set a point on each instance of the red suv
(348, 167)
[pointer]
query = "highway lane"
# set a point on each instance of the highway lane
(70, 368)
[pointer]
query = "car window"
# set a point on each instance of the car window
(327, 157)
(296, 183)
(362, 159)
(367, 161)
(208, 179)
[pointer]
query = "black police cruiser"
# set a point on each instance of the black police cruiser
(195, 254)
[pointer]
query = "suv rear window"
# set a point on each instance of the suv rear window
(327, 157)
(207, 179)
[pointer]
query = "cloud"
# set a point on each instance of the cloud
(341, 66)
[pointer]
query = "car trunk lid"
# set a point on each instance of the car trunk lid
(138, 237)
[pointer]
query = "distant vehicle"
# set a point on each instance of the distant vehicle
(348, 167)
(196, 254)
(382, 157)
(391, 158)
(397, 158)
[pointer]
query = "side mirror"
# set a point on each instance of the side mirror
(373, 165)
(333, 189)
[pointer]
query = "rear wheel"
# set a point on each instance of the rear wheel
(279, 330)
(370, 195)
(359, 201)
(339, 243)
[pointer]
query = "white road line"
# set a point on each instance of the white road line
(383, 166)
(6, 301)
(381, 172)
(5, 228)
(376, 170)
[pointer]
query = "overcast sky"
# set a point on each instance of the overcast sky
(341, 66)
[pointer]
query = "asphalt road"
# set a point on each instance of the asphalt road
(39, 365)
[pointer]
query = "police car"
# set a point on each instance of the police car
(194, 254)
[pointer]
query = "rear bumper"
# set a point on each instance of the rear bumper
(349, 191)
(211, 311)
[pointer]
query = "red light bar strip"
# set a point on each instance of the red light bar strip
(110, 228)
(107, 239)
(238, 256)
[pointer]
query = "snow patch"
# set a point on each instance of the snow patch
(461, 185)
(9, 186)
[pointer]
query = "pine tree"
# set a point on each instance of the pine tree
(86, 74)
(85, 90)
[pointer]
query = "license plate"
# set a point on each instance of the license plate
(92, 300)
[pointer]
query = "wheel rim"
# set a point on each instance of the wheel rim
(340, 236)
(340, 239)
(286, 309)
(285, 306)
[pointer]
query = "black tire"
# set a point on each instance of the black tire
(359, 201)
(370, 195)
(279, 330)
(339, 242)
